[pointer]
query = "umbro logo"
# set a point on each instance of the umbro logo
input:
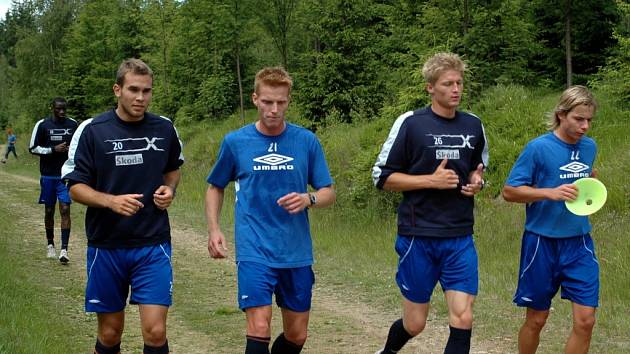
(273, 159)
(273, 162)
(574, 167)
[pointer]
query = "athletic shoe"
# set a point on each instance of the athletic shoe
(63, 256)
(379, 352)
(51, 252)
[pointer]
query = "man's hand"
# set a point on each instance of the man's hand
(163, 196)
(63, 147)
(444, 178)
(125, 204)
(294, 202)
(563, 192)
(475, 182)
(216, 244)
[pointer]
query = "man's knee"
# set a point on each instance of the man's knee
(64, 210)
(155, 334)
(296, 337)
(110, 336)
(536, 321)
(584, 324)
(414, 326)
(258, 327)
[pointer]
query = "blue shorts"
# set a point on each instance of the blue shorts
(111, 271)
(425, 260)
(550, 263)
(53, 188)
(257, 282)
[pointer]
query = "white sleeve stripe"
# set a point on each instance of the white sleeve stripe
(485, 154)
(68, 166)
(181, 145)
(40, 150)
(387, 146)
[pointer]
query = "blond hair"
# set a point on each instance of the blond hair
(273, 76)
(572, 97)
(440, 63)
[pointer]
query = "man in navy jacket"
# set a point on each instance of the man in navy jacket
(435, 156)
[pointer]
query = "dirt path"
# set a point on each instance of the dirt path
(341, 323)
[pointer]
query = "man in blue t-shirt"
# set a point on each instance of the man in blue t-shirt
(557, 250)
(435, 156)
(50, 140)
(272, 163)
(124, 165)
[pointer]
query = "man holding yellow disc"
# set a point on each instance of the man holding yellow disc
(557, 250)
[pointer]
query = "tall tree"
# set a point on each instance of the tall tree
(575, 35)
(277, 18)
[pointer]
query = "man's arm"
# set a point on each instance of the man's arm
(442, 178)
(528, 194)
(296, 202)
(125, 204)
(216, 240)
(163, 196)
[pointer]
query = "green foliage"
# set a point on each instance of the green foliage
(344, 76)
(352, 61)
(103, 35)
(613, 78)
(592, 24)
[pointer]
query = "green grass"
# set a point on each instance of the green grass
(41, 301)
(353, 242)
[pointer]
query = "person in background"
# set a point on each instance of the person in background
(11, 139)
(557, 250)
(50, 139)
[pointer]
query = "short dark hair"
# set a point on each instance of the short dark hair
(132, 65)
(58, 100)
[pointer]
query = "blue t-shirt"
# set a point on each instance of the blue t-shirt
(548, 162)
(264, 169)
(12, 139)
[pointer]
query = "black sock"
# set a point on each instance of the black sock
(458, 341)
(65, 237)
(282, 346)
(257, 345)
(100, 348)
(397, 337)
(50, 236)
(163, 349)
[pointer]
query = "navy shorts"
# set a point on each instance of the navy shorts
(257, 283)
(548, 264)
(53, 188)
(112, 271)
(423, 261)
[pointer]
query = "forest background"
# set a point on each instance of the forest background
(356, 67)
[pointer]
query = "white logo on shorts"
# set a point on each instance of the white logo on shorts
(526, 299)
(94, 301)
(243, 297)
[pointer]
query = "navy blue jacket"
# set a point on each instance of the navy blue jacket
(46, 134)
(117, 157)
(417, 143)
